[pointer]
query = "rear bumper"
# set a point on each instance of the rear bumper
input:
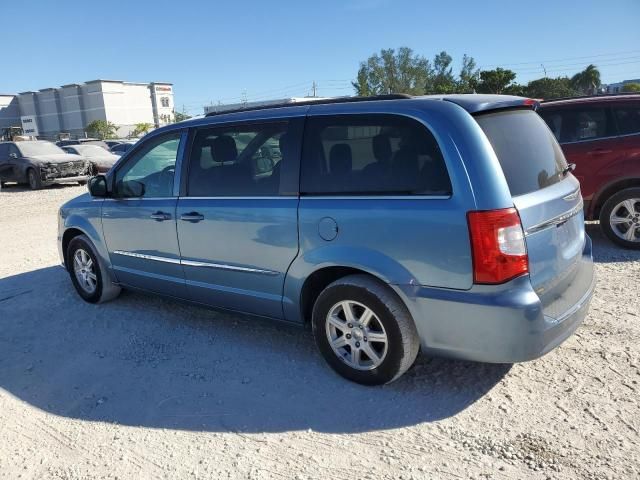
(497, 324)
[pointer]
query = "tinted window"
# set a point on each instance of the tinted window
(4, 151)
(238, 161)
(530, 157)
(371, 154)
(628, 118)
(578, 124)
(153, 165)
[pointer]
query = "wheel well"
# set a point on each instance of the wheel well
(611, 190)
(317, 282)
(67, 236)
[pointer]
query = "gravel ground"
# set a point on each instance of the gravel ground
(143, 387)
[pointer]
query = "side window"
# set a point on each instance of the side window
(14, 149)
(237, 161)
(628, 118)
(371, 154)
(4, 152)
(579, 124)
(152, 166)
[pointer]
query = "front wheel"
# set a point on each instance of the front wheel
(89, 276)
(620, 218)
(35, 182)
(364, 331)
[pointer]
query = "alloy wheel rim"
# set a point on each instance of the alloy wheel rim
(84, 270)
(356, 335)
(625, 220)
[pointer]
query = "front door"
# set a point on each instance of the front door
(139, 222)
(237, 222)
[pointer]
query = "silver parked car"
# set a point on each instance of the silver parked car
(101, 160)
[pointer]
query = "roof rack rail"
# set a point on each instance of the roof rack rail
(325, 101)
(577, 97)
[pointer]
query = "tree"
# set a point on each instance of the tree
(181, 116)
(102, 129)
(587, 81)
(495, 81)
(140, 129)
(548, 88)
(441, 81)
(631, 87)
(393, 72)
(468, 79)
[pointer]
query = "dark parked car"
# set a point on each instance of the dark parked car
(100, 159)
(39, 163)
(120, 148)
(601, 136)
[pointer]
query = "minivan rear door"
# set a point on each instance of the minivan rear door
(547, 197)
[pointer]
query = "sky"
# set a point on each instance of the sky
(214, 51)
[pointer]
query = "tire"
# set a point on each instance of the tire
(79, 252)
(33, 179)
(82, 183)
(390, 318)
(625, 207)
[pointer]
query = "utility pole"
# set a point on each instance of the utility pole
(314, 89)
(544, 69)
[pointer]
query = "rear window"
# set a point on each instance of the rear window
(529, 154)
(371, 154)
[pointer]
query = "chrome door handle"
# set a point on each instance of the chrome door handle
(193, 217)
(160, 216)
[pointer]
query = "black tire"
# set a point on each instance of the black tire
(104, 290)
(33, 179)
(402, 337)
(82, 183)
(610, 229)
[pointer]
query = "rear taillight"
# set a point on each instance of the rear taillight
(497, 244)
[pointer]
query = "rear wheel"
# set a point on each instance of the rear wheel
(35, 182)
(364, 331)
(620, 218)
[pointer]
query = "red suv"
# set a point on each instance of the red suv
(601, 136)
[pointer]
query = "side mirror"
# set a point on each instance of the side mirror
(98, 186)
(13, 155)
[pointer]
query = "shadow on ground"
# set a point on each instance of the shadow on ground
(146, 361)
(604, 250)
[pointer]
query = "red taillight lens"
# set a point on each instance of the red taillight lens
(497, 244)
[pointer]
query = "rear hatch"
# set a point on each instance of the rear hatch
(547, 197)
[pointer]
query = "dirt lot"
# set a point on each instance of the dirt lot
(146, 388)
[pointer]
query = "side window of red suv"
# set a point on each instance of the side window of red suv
(628, 118)
(579, 123)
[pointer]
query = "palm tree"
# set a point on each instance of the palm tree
(588, 80)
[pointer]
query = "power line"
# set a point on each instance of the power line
(537, 62)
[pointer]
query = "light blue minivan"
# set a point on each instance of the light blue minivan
(446, 224)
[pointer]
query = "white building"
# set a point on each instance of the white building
(70, 108)
(617, 87)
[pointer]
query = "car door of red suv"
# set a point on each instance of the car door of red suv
(588, 137)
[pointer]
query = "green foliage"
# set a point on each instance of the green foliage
(631, 87)
(441, 80)
(405, 72)
(495, 81)
(392, 72)
(101, 129)
(141, 129)
(469, 74)
(181, 116)
(548, 88)
(587, 81)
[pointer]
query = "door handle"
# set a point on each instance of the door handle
(193, 217)
(599, 151)
(160, 216)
